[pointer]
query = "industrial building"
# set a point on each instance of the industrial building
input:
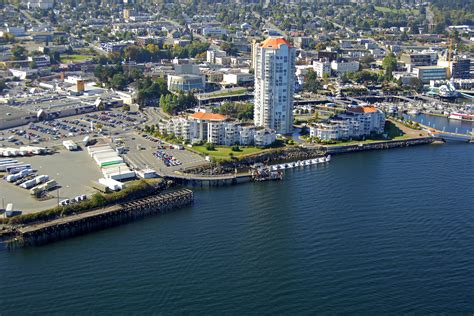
(111, 164)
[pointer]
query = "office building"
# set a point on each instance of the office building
(427, 73)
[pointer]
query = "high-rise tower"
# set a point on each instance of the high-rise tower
(274, 85)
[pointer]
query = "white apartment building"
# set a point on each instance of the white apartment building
(40, 4)
(40, 61)
(217, 129)
(322, 67)
(342, 67)
(274, 85)
(213, 31)
(212, 54)
(356, 122)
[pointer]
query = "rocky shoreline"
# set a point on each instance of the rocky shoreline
(269, 157)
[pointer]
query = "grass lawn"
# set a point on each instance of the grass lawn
(393, 132)
(222, 152)
(392, 10)
(75, 58)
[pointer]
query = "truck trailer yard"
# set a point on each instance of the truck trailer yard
(73, 171)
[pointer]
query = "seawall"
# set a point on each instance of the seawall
(379, 145)
(70, 226)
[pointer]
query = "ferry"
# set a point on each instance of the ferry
(461, 117)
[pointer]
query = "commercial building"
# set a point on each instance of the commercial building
(14, 116)
(240, 78)
(416, 59)
(186, 82)
(274, 85)
(427, 73)
(460, 68)
(356, 122)
(460, 84)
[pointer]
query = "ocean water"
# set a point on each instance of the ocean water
(377, 232)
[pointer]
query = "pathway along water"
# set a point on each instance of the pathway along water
(371, 232)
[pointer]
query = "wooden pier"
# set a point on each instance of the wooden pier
(70, 226)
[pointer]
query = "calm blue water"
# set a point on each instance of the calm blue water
(449, 125)
(378, 232)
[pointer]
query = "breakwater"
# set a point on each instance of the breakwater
(70, 226)
(379, 145)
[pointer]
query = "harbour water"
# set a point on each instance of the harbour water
(372, 232)
(443, 123)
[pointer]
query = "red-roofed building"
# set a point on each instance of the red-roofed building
(216, 129)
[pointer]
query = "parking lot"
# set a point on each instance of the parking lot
(53, 132)
(73, 171)
(146, 156)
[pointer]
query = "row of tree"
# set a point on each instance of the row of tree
(237, 110)
(172, 104)
(153, 53)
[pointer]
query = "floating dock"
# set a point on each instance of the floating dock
(301, 163)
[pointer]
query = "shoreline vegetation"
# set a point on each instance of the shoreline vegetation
(134, 190)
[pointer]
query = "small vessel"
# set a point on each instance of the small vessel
(266, 173)
(461, 117)
(414, 112)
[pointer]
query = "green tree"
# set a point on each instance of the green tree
(416, 84)
(311, 82)
(3, 86)
(389, 65)
(18, 52)
(118, 81)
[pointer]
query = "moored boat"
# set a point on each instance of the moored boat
(461, 117)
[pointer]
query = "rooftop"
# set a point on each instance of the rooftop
(273, 42)
(363, 109)
(208, 116)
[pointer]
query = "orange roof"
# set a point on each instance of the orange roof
(208, 116)
(363, 109)
(273, 42)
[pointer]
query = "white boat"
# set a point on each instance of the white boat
(461, 117)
